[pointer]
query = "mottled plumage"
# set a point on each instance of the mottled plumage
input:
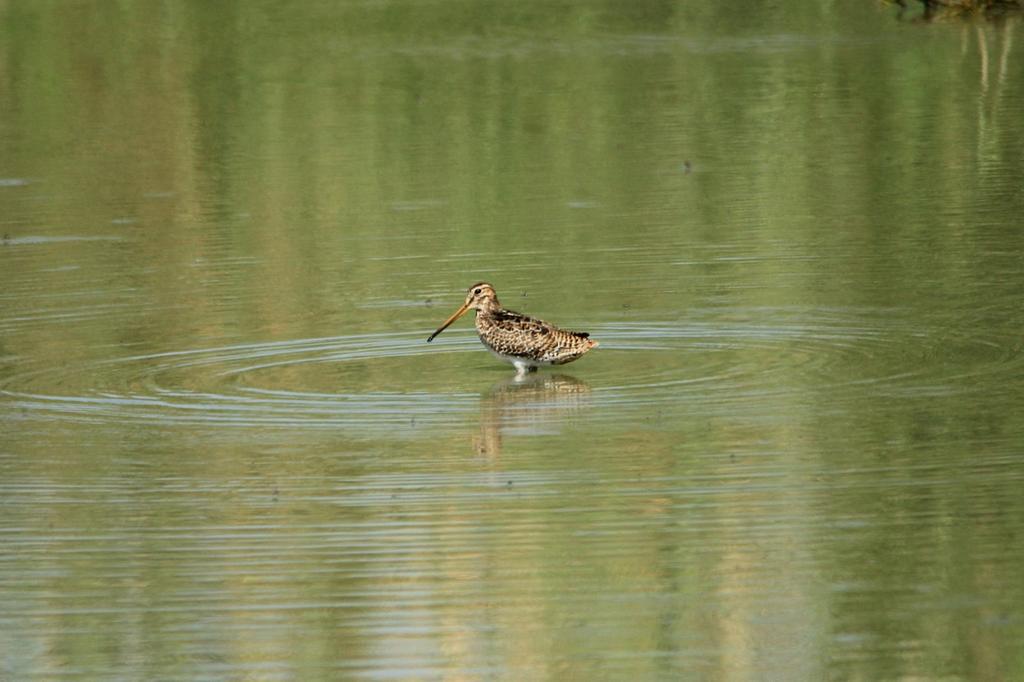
(524, 341)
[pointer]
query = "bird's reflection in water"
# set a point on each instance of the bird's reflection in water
(536, 404)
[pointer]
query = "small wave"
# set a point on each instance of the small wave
(394, 383)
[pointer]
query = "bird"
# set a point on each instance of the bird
(524, 341)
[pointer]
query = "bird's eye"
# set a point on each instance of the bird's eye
(476, 292)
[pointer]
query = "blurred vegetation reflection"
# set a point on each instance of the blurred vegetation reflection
(227, 229)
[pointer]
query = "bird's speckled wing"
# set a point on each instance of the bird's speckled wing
(513, 334)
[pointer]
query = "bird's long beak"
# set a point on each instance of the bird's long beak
(458, 313)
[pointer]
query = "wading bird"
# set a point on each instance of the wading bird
(524, 341)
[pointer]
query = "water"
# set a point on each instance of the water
(227, 452)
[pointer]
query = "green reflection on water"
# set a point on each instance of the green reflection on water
(229, 228)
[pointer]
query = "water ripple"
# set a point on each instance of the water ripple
(395, 383)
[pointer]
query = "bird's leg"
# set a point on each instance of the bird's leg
(522, 369)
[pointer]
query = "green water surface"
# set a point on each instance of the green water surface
(228, 453)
